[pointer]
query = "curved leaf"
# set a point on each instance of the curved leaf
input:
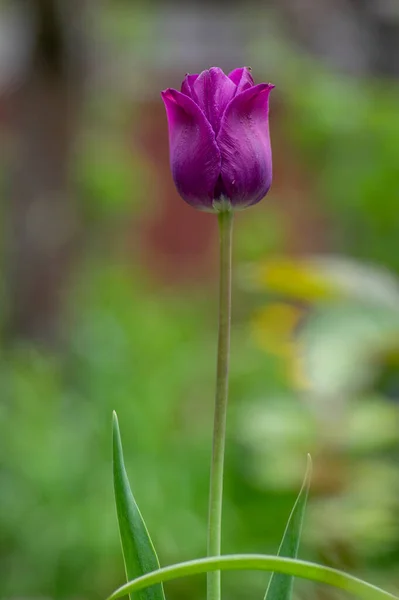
(138, 552)
(259, 562)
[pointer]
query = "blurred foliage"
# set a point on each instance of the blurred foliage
(335, 324)
(146, 351)
(347, 130)
(147, 357)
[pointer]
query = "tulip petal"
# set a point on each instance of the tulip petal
(213, 91)
(242, 78)
(244, 144)
(187, 85)
(194, 155)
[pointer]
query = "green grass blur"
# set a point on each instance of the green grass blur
(147, 349)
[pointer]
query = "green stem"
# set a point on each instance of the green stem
(276, 564)
(219, 429)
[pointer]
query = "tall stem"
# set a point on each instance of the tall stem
(219, 429)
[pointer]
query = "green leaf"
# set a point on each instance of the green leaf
(138, 551)
(259, 562)
(280, 586)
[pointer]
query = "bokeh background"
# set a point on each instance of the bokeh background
(108, 292)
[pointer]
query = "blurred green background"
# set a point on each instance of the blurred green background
(108, 292)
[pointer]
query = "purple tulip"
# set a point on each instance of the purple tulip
(219, 139)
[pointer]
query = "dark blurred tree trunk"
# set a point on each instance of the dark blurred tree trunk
(385, 19)
(41, 220)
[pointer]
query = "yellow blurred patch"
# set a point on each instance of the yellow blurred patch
(295, 369)
(295, 279)
(273, 329)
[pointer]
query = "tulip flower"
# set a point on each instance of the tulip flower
(219, 139)
(221, 160)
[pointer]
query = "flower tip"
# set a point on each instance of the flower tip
(267, 87)
(169, 96)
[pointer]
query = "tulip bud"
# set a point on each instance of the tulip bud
(219, 141)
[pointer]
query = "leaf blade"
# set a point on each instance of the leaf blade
(259, 562)
(280, 585)
(138, 551)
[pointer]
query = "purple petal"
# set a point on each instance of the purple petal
(194, 155)
(244, 144)
(213, 91)
(187, 85)
(242, 78)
